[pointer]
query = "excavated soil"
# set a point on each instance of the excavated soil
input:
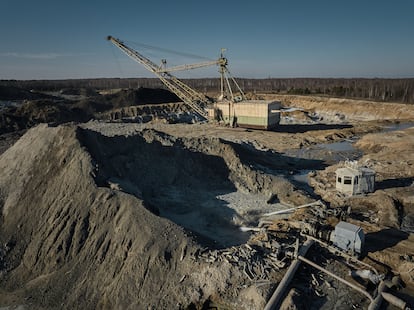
(353, 110)
(22, 109)
(124, 211)
(102, 212)
(109, 249)
(203, 184)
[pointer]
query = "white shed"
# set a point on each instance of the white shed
(354, 180)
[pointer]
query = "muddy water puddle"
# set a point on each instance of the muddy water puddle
(397, 126)
(332, 153)
(337, 151)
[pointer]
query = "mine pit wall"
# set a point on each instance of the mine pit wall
(244, 177)
(201, 152)
(354, 110)
(255, 114)
(110, 250)
(143, 110)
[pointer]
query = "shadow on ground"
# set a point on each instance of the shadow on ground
(272, 162)
(383, 239)
(171, 180)
(299, 128)
(181, 180)
(392, 183)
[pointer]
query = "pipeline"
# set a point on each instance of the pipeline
(335, 250)
(355, 287)
(399, 303)
(315, 203)
(376, 303)
(383, 295)
(278, 294)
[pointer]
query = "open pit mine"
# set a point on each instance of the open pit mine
(167, 199)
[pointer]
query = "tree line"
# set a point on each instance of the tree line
(395, 90)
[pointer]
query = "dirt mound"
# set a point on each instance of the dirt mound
(168, 112)
(113, 253)
(387, 214)
(85, 92)
(336, 109)
(79, 205)
(181, 179)
(16, 93)
(131, 97)
(111, 107)
(31, 113)
(92, 106)
(298, 115)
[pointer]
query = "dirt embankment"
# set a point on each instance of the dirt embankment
(349, 109)
(111, 252)
(15, 93)
(29, 108)
(181, 178)
(387, 215)
(169, 112)
(120, 211)
(132, 97)
(78, 205)
(389, 154)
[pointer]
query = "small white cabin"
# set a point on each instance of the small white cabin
(353, 180)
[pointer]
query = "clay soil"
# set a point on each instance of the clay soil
(121, 215)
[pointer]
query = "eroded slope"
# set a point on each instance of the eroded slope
(67, 243)
(90, 220)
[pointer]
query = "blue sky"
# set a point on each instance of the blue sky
(57, 39)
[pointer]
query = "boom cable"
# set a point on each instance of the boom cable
(116, 59)
(170, 51)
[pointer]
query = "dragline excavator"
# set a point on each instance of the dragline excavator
(194, 99)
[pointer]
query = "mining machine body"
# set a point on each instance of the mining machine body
(231, 108)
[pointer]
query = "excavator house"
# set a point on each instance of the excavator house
(230, 108)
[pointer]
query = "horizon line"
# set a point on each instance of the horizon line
(201, 78)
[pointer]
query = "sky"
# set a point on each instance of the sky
(58, 39)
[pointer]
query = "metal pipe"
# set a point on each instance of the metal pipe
(398, 302)
(355, 287)
(290, 273)
(315, 203)
(340, 252)
(376, 303)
